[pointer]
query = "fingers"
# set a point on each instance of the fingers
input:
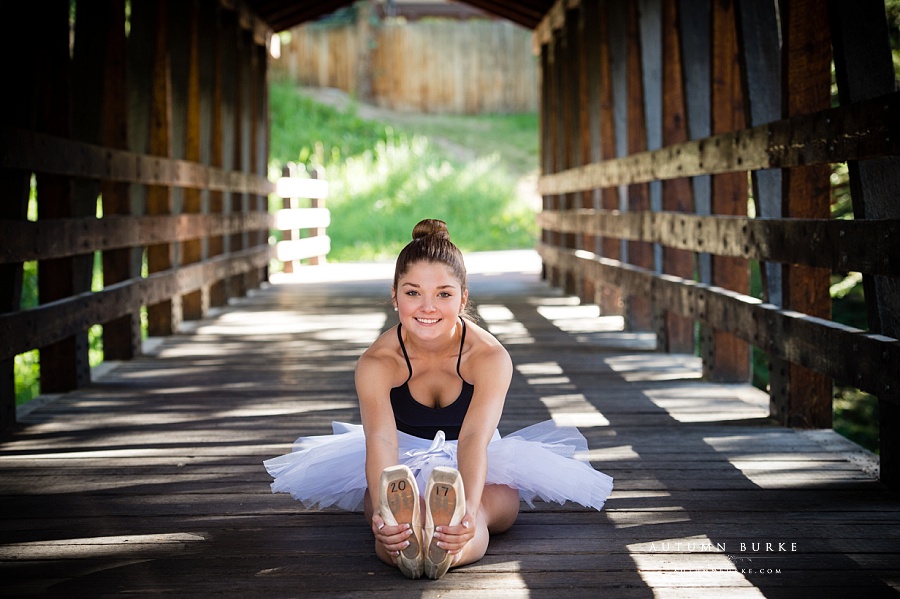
(454, 538)
(394, 538)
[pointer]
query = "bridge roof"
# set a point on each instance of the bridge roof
(284, 14)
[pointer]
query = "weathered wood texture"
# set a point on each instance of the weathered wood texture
(734, 98)
(129, 125)
(441, 66)
(150, 481)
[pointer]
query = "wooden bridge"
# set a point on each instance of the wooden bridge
(686, 152)
(150, 480)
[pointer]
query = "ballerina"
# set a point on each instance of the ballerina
(431, 392)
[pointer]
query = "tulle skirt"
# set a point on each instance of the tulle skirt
(541, 461)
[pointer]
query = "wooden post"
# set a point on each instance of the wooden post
(677, 195)
(237, 284)
(164, 317)
(290, 203)
(21, 72)
(806, 83)
(545, 124)
(640, 253)
(218, 293)
(64, 365)
(260, 145)
(864, 69)
(196, 303)
(762, 72)
(317, 231)
(726, 358)
(571, 92)
(122, 336)
(694, 27)
(555, 149)
(590, 25)
(610, 299)
(587, 113)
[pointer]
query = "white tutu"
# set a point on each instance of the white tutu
(540, 461)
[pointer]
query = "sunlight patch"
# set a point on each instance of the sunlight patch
(573, 410)
(153, 544)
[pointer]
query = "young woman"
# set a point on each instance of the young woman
(431, 392)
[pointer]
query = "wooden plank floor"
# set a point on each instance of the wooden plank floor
(150, 480)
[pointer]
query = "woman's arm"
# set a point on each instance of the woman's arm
(373, 389)
(490, 372)
(373, 386)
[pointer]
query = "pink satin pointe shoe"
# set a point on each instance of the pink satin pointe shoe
(400, 505)
(445, 505)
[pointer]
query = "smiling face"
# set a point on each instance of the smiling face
(429, 299)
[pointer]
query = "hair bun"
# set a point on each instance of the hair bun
(431, 226)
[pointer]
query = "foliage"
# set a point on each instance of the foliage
(382, 182)
(315, 135)
(379, 196)
(856, 416)
(26, 366)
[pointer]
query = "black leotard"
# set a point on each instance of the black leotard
(421, 421)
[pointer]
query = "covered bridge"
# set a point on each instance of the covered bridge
(684, 145)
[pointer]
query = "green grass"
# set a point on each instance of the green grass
(385, 177)
(315, 135)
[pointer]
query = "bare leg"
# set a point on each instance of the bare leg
(380, 550)
(499, 508)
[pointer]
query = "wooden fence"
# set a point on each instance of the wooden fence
(293, 219)
(165, 127)
(433, 66)
(661, 121)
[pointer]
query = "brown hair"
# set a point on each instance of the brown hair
(431, 243)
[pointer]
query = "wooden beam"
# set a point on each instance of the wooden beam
(60, 238)
(864, 130)
(847, 354)
(837, 245)
(553, 20)
(23, 330)
(40, 152)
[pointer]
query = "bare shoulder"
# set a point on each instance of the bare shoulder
(381, 360)
(484, 353)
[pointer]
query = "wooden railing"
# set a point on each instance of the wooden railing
(291, 220)
(215, 276)
(623, 223)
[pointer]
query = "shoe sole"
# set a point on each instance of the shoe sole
(400, 495)
(445, 506)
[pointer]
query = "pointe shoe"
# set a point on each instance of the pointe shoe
(400, 505)
(445, 505)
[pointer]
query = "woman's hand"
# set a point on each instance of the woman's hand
(393, 538)
(454, 538)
